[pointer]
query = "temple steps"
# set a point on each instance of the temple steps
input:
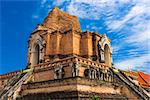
(13, 84)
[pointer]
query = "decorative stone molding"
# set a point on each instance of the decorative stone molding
(104, 41)
(100, 74)
(75, 68)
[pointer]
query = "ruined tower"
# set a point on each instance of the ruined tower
(66, 63)
(60, 36)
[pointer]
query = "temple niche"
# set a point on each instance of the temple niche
(65, 63)
(36, 50)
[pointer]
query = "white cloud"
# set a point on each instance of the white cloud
(35, 16)
(140, 61)
(58, 2)
(142, 36)
(43, 3)
(134, 27)
(89, 9)
(116, 49)
(132, 17)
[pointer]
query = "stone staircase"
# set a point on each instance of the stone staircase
(128, 81)
(13, 84)
(10, 83)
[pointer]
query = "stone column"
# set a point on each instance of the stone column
(97, 74)
(90, 74)
(47, 47)
(94, 73)
(103, 75)
(61, 72)
(75, 69)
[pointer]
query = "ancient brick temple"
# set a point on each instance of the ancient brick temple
(66, 63)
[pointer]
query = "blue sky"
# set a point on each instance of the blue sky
(125, 22)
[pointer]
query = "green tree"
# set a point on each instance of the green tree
(95, 97)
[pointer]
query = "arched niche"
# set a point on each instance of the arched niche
(35, 54)
(107, 55)
(37, 50)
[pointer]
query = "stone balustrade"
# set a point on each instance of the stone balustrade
(71, 59)
(9, 75)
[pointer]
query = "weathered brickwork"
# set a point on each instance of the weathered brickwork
(60, 36)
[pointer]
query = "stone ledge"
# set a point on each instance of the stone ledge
(67, 81)
(68, 95)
